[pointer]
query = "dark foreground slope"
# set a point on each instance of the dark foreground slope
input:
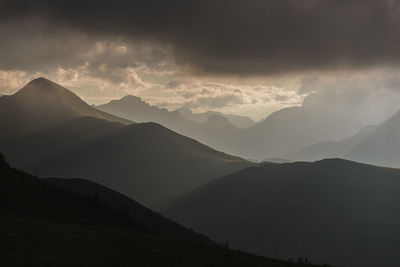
(153, 221)
(42, 225)
(333, 211)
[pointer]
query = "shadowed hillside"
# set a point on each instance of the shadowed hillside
(144, 216)
(144, 161)
(42, 225)
(333, 211)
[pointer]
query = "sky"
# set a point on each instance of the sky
(248, 57)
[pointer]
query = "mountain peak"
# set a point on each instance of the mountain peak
(42, 85)
(131, 98)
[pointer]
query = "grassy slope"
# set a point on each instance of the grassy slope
(333, 211)
(41, 225)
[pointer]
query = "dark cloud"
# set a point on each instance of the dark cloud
(231, 36)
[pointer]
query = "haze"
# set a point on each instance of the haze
(273, 126)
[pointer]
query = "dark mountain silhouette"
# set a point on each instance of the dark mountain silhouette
(26, 196)
(332, 210)
(237, 120)
(331, 149)
(154, 222)
(212, 131)
(42, 225)
(41, 104)
(144, 161)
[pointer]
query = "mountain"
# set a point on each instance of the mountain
(381, 146)
(145, 161)
(321, 118)
(42, 225)
(238, 121)
(41, 104)
(134, 107)
(154, 222)
(331, 149)
(334, 211)
(378, 145)
(212, 131)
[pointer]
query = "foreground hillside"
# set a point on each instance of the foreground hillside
(333, 211)
(42, 225)
(154, 222)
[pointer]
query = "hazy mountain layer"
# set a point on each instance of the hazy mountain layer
(212, 131)
(378, 145)
(144, 161)
(333, 211)
(237, 120)
(292, 129)
(332, 149)
(381, 146)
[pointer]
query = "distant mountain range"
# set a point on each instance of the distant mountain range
(135, 108)
(238, 121)
(331, 149)
(50, 226)
(210, 129)
(333, 211)
(378, 145)
(278, 136)
(145, 160)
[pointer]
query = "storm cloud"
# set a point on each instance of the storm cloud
(234, 37)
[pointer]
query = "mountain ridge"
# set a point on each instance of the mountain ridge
(333, 210)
